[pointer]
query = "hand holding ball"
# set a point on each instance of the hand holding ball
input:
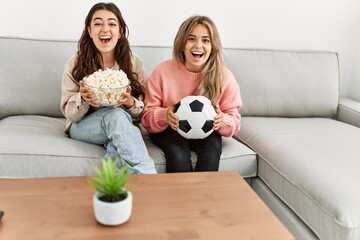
(196, 117)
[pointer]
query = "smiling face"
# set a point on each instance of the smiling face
(105, 31)
(197, 48)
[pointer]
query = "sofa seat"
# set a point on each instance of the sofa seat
(311, 164)
(41, 141)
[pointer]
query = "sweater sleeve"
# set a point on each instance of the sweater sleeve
(230, 104)
(154, 114)
(136, 110)
(72, 106)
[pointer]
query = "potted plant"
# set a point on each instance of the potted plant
(112, 201)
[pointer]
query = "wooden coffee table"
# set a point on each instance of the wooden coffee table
(210, 205)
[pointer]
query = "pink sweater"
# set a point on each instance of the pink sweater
(171, 81)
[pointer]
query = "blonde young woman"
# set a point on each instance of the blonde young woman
(197, 68)
(104, 44)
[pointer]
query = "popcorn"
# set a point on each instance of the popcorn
(107, 85)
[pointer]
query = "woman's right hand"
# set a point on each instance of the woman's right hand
(171, 117)
(87, 95)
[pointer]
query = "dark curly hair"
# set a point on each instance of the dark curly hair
(87, 60)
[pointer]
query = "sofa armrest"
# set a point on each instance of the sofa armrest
(349, 111)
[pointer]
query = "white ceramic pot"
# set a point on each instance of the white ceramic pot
(114, 213)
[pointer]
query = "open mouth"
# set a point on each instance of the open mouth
(197, 54)
(105, 39)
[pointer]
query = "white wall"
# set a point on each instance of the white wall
(331, 25)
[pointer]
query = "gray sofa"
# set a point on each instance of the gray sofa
(32, 125)
(298, 146)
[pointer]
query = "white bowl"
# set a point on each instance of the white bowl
(108, 96)
(107, 85)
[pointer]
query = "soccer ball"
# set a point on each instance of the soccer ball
(196, 116)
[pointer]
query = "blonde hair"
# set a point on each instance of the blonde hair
(212, 76)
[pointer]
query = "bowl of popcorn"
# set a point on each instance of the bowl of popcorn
(107, 85)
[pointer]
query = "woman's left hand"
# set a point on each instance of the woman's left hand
(218, 120)
(126, 99)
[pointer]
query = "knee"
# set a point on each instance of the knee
(177, 153)
(214, 144)
(178, 160)
(215, 151)
(119, 114)
(210, 150)
(218, 148)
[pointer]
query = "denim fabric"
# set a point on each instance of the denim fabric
(177, 151)
(114, 128)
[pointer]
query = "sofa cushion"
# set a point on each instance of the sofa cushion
(152, 56)
(35, 88)
(312, 164)
(38, 64)
(35, 146)
(286, 83)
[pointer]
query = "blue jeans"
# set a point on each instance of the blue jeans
(114, 128)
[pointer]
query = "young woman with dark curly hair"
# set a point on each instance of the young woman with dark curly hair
(104, 45)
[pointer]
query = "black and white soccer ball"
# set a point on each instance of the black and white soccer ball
(196, 117)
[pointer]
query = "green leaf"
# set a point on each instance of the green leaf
(109, 180)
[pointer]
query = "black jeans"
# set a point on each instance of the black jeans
(177, 151)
